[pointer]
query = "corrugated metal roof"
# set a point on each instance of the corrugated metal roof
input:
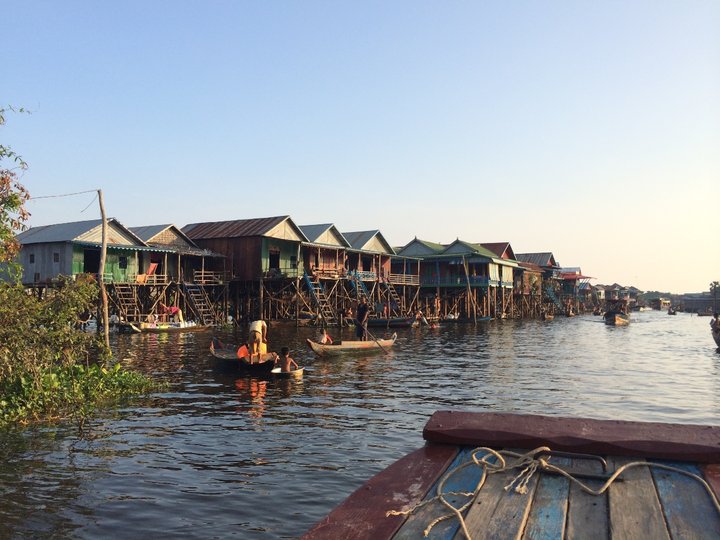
(67, 232)
(360, 239)
(148, 232)
(232, 229)
(544, 259)
(417, 247)
(500, 249)
(314, 232)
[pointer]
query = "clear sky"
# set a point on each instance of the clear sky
(587, 129)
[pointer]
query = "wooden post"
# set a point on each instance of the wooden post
(101, 275)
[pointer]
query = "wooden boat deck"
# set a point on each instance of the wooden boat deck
(646, 502)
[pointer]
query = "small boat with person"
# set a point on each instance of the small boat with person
(616, 313)
(499, 475)
(239, 357)
(292, 374)
(339, 347)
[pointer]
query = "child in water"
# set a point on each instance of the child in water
(285, 362)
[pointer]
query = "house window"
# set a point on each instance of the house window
(293, 261)
(122, 262)
(32, 258)
(56, 257)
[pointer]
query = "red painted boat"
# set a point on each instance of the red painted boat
(649, 480)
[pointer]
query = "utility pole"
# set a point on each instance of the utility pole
(101, 274)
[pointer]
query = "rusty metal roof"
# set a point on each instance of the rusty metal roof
(232, 229)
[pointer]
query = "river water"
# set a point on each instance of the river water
(223, 456)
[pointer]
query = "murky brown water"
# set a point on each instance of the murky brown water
(224, 456)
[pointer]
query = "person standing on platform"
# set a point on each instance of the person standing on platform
(257, 338)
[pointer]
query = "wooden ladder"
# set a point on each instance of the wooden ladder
(318, 294)
(200, 303)
(126, 299)
(394, 296)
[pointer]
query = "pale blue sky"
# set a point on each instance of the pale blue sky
(589, 129)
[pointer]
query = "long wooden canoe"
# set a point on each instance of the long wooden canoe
(351, 346)
(393, 322)
(653, 496)
(161, 328)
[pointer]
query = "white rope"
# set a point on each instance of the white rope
(529, 465)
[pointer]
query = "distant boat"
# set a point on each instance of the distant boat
(393, 322)
(616, 318)
(616, 313)
(351, 346)
(160, 328)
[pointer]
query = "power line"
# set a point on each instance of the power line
(64, 195)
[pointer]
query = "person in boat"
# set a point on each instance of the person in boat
(171, 312)
(361, 319)
(257, 338)
(325, 338)
(285, 362)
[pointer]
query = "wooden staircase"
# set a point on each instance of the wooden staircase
(200, 304)
(359, 287)
(317, 292)
(126, 299)
(394, 296)
(552, 296)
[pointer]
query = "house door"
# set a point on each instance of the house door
(274, 261)
(91, 261)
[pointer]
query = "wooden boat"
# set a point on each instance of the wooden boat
(393, 322)
(338, 347)
(160, 328)
(295, 373)
(640, 488)
(616, 318)
(616, 313)
(228, 353)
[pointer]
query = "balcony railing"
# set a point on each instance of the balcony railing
(206, 277)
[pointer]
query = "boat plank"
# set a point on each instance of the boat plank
(697, 443)
(549, 510)
(587, 513)
(497, 513)
(712, 477)
(635, 511)
(689, 510)
(464, 480)
(399, 487)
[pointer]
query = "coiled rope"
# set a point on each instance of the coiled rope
(494, 462)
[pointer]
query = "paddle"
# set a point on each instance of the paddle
(376, 341)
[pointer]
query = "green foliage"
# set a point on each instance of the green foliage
(45, 368)
(66, 391)
(13, 196)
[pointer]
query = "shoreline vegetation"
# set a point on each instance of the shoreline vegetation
(46, 371)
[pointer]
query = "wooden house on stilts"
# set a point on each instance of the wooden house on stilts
(143, 267)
